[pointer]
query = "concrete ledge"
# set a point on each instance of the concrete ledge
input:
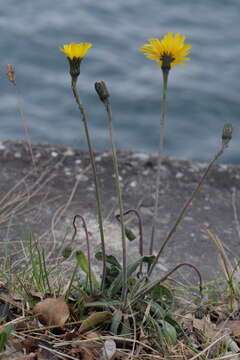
(46, 199)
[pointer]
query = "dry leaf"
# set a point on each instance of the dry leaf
(94, 320)
(234, 326)
(206, 327)
(52, 311)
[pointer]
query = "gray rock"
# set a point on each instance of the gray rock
(45, 199)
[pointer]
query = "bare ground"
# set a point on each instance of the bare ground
(45, 198)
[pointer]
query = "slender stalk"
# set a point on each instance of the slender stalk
(119, 194)
(149, 287)
(186, 206)
(140, 227)
(92, 160)
(88, 248)
(12, 78)
(160, 154)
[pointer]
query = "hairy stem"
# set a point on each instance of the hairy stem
(92, 160)
(160, 154)
(120, 202)
(185, 207)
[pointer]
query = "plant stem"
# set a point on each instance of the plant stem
(92, 160)
(140, 229)
(186, 206)
(160, 154)
(119, 194)
(148, 288)
(88, 248)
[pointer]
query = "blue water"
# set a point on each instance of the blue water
(202, 96)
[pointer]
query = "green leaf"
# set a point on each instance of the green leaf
(109, 259)
(94, 320)
(83, 264)
(131, 268)
(163, 295)
(158, 311)
(116, 321)
(168, 332)
(4, 336)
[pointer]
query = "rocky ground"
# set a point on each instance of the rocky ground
(44, 199)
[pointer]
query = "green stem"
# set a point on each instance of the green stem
(185, 207)
(160, 154)
(92, 160)
(151, 286)
(119, 193)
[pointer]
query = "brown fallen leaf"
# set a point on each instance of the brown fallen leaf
(234, 326)
(94, 320)
(52, 311)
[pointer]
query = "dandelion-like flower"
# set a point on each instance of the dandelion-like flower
(168, 51)
(75, 53)
(73, 50)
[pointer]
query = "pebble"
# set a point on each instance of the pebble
(17, 155)
(179, 175)
(81, 177)
(69, 152)
(133, 184)
(54, 154)
(2, 146)
(141, 156)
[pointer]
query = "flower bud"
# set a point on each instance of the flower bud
(102, 91)
(11, 74)
(227, 134)
(130, 234)
(74, 67)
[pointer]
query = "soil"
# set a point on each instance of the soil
(43, 198)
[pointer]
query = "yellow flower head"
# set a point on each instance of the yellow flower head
(168, 51)
(77, 51)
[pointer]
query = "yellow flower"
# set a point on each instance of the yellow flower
(77, 51)
(168, 51)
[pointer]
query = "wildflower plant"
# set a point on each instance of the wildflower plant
(75, 54)
(131, 307)
(167, 53)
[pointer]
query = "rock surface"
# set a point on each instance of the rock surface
(44, 199)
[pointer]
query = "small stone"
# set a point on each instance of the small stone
(2, 146)
(145, 172)
(179, 175)
(141, 156)
(69, 152)
(81, 177)
(54, 154)
(133, 184)
(223, 167)
(17, 155)
(98, 158)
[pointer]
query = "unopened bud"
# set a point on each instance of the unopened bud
(130, 234)
(67, 251)
(11, 74)
(102, 91)
(227, 134)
